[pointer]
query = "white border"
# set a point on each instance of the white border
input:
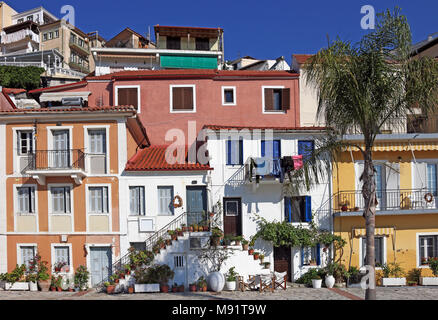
(88, 247)
(19, 245)
(15, 203)
(116, 95)
(16, 156)
(52, 255)
(87, 146)
(171, 97)
(110, 207)
(234, 96)
(417, 248)
(263, 100)
(362, 267)
(49, 205)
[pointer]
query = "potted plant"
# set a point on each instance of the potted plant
(127, 269)
(191, 228)
(110, 287)
(32, 279)
(130, 289)
(168, 242)
(202, 284)
(175, 287)
(245, 244)
(316, 282)
(393, 275)
(81, 278)
(216, 235)
(41, 269)
(431, 281)
(329, 278)
(59, 265)
(181, 288)
(16, 280)
(179, 233)
(261, 257)
(256, 255)
(230, 279)
(238, 240)
(250, 251)
(184, 227)
(192, 287)
(312, 262)
(267, 265)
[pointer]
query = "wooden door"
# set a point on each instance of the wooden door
(282, 261)
(100, 260)
(196, 205)
(233, 216)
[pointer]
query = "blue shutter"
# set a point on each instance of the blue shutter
(287, 209)
(305, 148)
(308, 208)
(263, 148)
(229, 152)
(318, 254)
(241, 151)
(302, 256)
(277, 150)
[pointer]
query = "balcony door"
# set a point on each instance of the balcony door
(60, 157)
(196, 205)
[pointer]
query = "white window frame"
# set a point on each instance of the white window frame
(362, 267)
(50, 136)
(116, 95)
(171, 97)
(53, 257)
(263, 100)
(417, 253)
(87, 146)
(159, 213)
(49, 204)
(16, 202)
(224, 103)
(16, 156)
(87, 204)
(144, 200)
(19, 245)
(237, 207)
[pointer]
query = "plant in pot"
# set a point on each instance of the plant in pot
(316, 282)
(202, 284)
(110, 287)
(250, 250)
(58, 283)
(42, 270)
(261, 258)
(81, 278)
(230, 279)
(245, 244)
(267, 265)
(168, 242)
(329, 278)
(59, 265)
(191, 228)
(238, 240)
(192, 287)
(431, 281)
(127, 269)
(184, 227)
(175, 287)
(179, 233)
(161, 243)
(32, 279)
(393, 275)
(256, 255)
(216, 235)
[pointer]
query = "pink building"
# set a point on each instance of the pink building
(169, 99)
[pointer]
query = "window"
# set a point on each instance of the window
(165, 201)
(202, 44)
(25, 142)
(45, 37)
(136, 203)
(431, 179)
(50, 35)
(379, 251)
(29, 18)
(20, 20)
(182, 99)
(428, 248)
(97, 141)
(138, 246)
(271, 149)
(57, 34)
(276, 99)
(306, 148)
(27, 254)
(26, 199)
(178, 262)
(62, 254)
(229, 96)
(234, 152)
(173, 43)
(128, 97)
(98, 197)
(73, 38)
(311, 256)
(298, 209)
(60, 199)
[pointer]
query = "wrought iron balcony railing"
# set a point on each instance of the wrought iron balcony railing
(46, 160)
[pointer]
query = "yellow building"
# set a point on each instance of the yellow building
(407, 210)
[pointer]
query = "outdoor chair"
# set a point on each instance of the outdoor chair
(280, 279)
(244, 285)
(266, 282)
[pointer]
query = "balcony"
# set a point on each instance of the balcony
(82, 50)
(267, 169)
(78, 67)
(56, 163)
(20, 35)
(404, 201)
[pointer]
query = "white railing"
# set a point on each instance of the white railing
(22, 64)
(67, 72)
(20, 35)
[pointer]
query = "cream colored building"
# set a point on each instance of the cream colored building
(6, 13)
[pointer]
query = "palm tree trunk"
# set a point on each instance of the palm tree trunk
(369, 194)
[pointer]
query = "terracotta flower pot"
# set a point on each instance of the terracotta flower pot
(164, 288)
(256, 256)
(44, 285)
(250, 251)
(52, 289)
(181, 289)
(184, 229)
(59, 289)
(180, 234)
(130, 290)
(245, 247)
(192, 288)
(110, 289)
(175, 289)
(70, 290)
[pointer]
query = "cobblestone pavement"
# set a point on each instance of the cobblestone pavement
(401, 293)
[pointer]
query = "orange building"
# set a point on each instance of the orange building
(59, 188)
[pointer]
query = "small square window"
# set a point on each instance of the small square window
(228, 96)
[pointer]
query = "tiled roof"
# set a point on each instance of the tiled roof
(301, 58)
(85, 109)
(62, 86)
(154, 159)
(195, 73)
(13, 90)
(220, 127)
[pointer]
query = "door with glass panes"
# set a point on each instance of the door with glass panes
(60, 156)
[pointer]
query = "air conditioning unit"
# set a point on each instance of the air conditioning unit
(199, 242)
(72, 102)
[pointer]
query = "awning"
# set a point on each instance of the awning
(57, 96)
(127, 56)
(401, 146)
(386, 232)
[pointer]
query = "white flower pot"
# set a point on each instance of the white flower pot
(216, 281)
(390, 282)
(33, 286)
(150, 287)
(316, 283)
(429, 281)
(230, 285)
(329, 281)
(17, 286)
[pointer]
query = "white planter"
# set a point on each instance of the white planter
(316, 283)
(329, 281)
(388, 282)
(152, 287)
(216, 281)
(33, 286)
(230, 285)
(429, 281)
(17, 286)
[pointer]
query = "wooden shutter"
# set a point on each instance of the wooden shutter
(287, 209)
(182, 98)
(285, 99)
(188, 98)
(318, 254)
(127, 97)
(308, 208)
(269, 99)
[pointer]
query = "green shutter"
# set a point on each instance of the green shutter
(187, 62)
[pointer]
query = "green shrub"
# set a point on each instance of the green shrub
(433, 265)
(20, 77)
(313, 273)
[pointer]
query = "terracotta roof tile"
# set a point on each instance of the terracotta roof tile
(301, 58)
(86, 109)
(154, 159)
(220, 127)
(13, 90)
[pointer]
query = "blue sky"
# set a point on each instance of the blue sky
(262, 29)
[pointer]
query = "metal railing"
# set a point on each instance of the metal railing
(22, 64)
(56, 160)
(387, 200)
(68, 72)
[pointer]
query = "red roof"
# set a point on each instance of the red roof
(13, 90)
(59, 110)
(301, 58)
(154, 159)
(193, 73)
(62, 86)
(220, 127)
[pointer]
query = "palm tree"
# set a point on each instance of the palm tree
(360, 88)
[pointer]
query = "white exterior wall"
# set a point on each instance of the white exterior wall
(308, 104)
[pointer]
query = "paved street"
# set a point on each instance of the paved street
(403, 293)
